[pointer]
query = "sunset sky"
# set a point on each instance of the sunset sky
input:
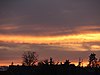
(62, 29)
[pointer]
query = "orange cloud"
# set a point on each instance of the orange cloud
(72, 41)
(95, 47)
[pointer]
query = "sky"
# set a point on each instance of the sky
(62, 29)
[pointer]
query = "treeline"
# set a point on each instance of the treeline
(48, 67)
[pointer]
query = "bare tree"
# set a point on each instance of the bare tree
(29, 58)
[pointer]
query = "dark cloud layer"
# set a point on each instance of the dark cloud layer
(48, 16)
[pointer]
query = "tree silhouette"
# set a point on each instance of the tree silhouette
(48, 67)
(67, 62)
(92, 60)
(46, 61)
(29, 58)
(51, 61)
(80, 63)
(12, 63)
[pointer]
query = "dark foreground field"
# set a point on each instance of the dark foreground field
(51, 70)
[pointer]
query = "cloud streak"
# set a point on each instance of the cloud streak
(69, 42)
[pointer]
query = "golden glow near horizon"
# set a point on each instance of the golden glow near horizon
(74, 41)
(18, 62)
(7, 63)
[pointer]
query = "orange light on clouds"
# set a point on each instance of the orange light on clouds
(95, 47)
(74, 41)
(51, 39)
